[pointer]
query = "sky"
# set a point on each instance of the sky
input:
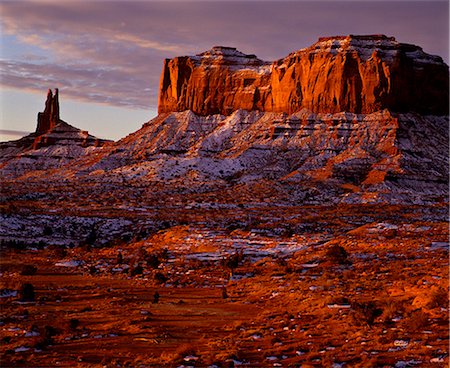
(106, 57)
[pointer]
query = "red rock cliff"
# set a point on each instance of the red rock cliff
(360, 74)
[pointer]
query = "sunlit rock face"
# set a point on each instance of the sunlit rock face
(358, 74)
(221, 80)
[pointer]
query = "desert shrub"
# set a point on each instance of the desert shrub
(27, 293)
(91, 238)
(417, 321)
(438, 298)
(138, 270)
(224, 293)
(74, 323)
(337, 254)
(389, 312)
(184, 350)
(155, 297)
(366, 312)
(119, 258)
(60, 252)
(280, 261)
(160, 277)
(47, 231)
(141, 253)
(153, 260)
(225, 358)
(28, 270)
(49, 333)
(336, 299)
(163, 254)
(233, 260)
(392, 308)
(178, 354)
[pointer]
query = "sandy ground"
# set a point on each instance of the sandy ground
(361, 295)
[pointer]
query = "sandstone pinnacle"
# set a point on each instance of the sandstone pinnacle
(49, 118)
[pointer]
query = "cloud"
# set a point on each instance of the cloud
(86, 83)
(13, 132)
(112, 51)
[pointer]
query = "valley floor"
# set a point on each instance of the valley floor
(255, 286)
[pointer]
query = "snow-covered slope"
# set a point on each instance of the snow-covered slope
(40, 152)
(367, 155)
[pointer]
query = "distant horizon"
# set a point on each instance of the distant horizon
(106, 56)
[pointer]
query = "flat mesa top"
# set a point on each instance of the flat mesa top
(225, 51)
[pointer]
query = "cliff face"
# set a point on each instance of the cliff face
(359, 74)
(217, 81)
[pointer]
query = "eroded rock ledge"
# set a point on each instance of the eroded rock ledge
(359, 74)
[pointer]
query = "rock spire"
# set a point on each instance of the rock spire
(49, 118)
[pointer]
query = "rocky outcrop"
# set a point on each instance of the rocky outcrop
(53, 144)
(49, 118)
(358, 74)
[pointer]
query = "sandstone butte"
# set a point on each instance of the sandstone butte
(359, 74)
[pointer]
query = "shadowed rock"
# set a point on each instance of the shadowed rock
(50, 117)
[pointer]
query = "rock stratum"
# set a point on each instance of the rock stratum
(358, 74)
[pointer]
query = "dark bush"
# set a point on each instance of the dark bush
(91, 238)
(163, 254)
(49, 333)
(337, 254)
(153, 260)
(439, 298)
(160, 277)
(27, 293)
(138, 270)
(233, 260)
(417, 321)
(366, 312)
(224, 293)
(47, 231)
(28, 270)
(74, 323)
(60, 252)
(156, 297)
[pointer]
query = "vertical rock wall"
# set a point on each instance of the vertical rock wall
(359, 74)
